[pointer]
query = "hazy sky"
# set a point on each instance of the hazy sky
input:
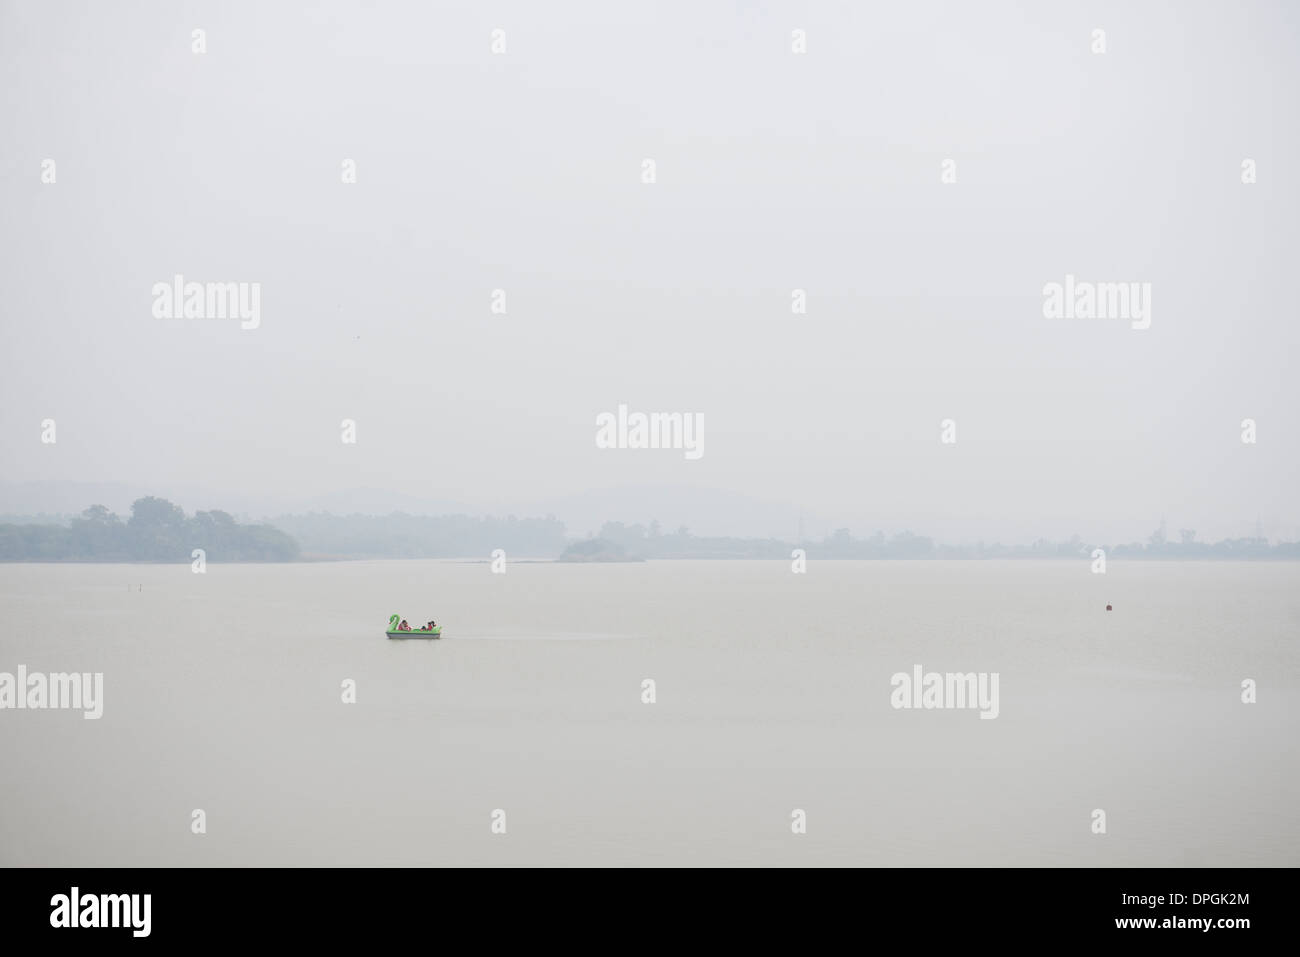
(522, 171)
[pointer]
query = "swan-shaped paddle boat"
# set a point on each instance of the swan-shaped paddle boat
(395, 621)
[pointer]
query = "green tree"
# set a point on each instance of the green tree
(98, 533)
(157, 530)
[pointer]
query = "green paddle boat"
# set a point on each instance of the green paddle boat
(396, 631)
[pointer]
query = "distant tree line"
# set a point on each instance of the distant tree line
(597, 550)
(160, 531)
(399, 535)
(157, 531)
(651, 542)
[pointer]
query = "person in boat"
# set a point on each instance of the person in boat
(429, 626)
(403, 626)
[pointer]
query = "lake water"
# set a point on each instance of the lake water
(223, 692)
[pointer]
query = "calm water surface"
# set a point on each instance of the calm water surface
(223, 692)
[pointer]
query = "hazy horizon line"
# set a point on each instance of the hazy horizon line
(856, 536)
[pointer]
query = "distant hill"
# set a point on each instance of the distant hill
(66, 498)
